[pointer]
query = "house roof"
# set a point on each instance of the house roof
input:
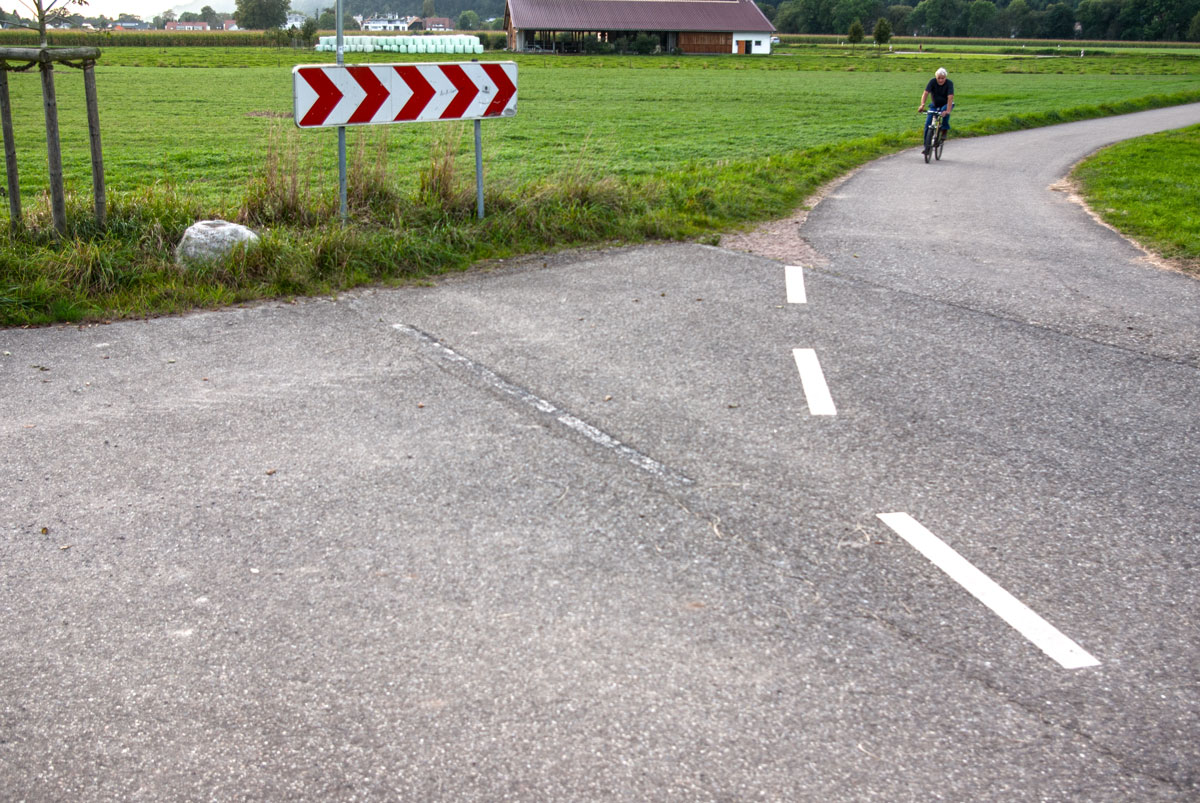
(638, 15)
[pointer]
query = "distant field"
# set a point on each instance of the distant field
(204, 129)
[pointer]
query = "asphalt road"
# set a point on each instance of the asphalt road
(579, 528)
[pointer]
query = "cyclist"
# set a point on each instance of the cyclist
(940, 91)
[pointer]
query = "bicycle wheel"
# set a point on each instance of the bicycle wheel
(937, 148)
(928, 143)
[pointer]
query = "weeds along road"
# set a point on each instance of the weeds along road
(587, 527)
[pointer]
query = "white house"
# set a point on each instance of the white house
(388, 23)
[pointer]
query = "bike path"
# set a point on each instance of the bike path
(990, 227)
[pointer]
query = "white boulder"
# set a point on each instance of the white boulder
(211, 240)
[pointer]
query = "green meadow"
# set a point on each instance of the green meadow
(615, 148)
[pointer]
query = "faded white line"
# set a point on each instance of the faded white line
(498, 383)
(793, 278)
(815, 389)
(1044, 635)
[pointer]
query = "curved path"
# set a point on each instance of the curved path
(991, 227)
(584, 527)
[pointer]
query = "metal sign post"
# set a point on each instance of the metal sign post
(341, 129)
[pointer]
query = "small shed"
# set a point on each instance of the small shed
(688, 26)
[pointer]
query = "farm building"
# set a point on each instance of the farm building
(689, 26)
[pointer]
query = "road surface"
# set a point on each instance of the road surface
(917, 521)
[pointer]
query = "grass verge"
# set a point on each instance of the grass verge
(127, 269)
(1149, 189)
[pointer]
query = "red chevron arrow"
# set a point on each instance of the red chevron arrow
(466, 91)
(422, 92)
(328, 95)
(377, 93)
(505, 89)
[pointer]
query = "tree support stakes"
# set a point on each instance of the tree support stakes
(44, 58)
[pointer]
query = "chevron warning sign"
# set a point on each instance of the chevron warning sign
(370, 94)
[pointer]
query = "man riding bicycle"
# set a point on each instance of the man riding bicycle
(940, 91)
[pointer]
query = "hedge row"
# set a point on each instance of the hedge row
(928, 41)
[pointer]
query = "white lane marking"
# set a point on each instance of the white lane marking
(815, 389)
(1044, 635)
(793, 277)
(498, 383)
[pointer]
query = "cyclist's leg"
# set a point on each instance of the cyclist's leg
(929, 129)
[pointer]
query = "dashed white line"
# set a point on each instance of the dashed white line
(793, 277)
(815, 388)
(1044, 635)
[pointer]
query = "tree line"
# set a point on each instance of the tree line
(1142, 20)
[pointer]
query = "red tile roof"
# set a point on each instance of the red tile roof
(638, 15)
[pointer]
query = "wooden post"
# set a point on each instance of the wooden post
(93, 115)
(58, 203)
(10, 152)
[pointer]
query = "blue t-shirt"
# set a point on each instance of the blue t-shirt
(939, 93)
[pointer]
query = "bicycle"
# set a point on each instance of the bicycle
(935, 135)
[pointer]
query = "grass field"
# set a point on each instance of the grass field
(204, 128)
(601, 148)
(1149, 189)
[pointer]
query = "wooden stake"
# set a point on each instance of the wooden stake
(93, 115)
(58, 203)
(10, 153)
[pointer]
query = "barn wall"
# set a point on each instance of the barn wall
(690, 42)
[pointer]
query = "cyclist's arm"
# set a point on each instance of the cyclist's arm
(924, 95)
(949, 103)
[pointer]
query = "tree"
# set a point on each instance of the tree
(1018, 16)
(467, 21)
(816, 16)
(944, 17)
(308, 31)
(214, 20)
(847, 11)
(1193, 31)
(768, 11)
(327, 21)
(49, 12)
(427, 9)
(1059, 22)
(982, 17)
(883, 31)
(261, 15)
(900, 17)
(787, 17)
(1098, 18)
(855, 34)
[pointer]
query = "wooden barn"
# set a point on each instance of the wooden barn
(687, 26)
